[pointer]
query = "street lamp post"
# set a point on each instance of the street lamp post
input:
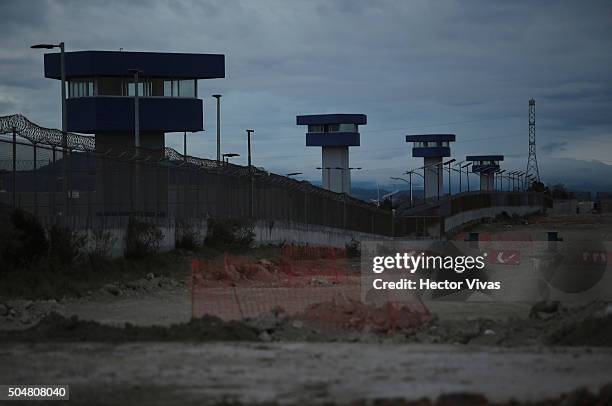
(501, 179)
(136, 73)
(460, 174)
(407, 181)
(449, 175)
(64, 116)
(409, 173)
(249, 145)
(218, 97)
(467, 174)
(229, 155)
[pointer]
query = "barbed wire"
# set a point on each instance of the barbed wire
(38, 135)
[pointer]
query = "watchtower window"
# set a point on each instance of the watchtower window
(80, 87)
(180, 88)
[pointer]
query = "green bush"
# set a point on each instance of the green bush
(22, 240)
(229, 232)
(65, 246)
(188, 237)
(141, 239)
(353, 249)
(100, 246)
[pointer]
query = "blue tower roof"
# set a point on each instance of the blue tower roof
(431, 145)
(332, 130)
(101, 89)
(486, 163)
(152, 64)
(314, 119)
(484, 158)
(430, 137)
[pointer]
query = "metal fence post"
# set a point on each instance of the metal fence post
(14, 168)
(35, 166)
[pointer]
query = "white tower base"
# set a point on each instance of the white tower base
(487, 182)
(334, 179)
(434, 178)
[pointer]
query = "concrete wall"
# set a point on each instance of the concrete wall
(110, 237)
(278, 232)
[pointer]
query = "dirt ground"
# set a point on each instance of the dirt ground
(494, 350)
(300, 373)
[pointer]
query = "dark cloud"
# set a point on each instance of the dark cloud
(447, 66)
(552, 147)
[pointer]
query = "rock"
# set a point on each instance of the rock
(4, 310)
(265, 262)
(231, 273)
(489, 332)
(28, 304)
(150, 276)
(12, 313)
(112, 289)
(319, 281)
(264, 336)
(297, 324)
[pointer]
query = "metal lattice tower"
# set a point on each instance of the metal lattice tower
(532, 161)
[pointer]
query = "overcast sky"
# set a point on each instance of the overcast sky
(466, 67)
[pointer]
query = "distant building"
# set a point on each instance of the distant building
(603, 202)
(334, 133)
(582, 196)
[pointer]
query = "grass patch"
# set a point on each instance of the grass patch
(42, 281)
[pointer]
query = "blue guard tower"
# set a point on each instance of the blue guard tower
(486, 166)
(334, 133)
(101, 93)
(101, 100)
(432, 148)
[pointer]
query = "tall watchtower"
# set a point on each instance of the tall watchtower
(486, 166)
(102, 89)
(432, 148)
(334, 133)
(130, 100)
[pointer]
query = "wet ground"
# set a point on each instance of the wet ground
(301, 373)
(492, 349)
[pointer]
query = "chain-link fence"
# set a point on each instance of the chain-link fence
(163, 184)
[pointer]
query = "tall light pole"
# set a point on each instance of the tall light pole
(467, 174)
(460, 173)
(500, 174)
(218, 97)
(136, 72)
(409, 173)
(249, 145)
(407, 181)
(449, 175)
(64, 115)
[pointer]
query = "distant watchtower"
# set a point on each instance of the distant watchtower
(334, 133)
(486, 166)
(432, 148)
